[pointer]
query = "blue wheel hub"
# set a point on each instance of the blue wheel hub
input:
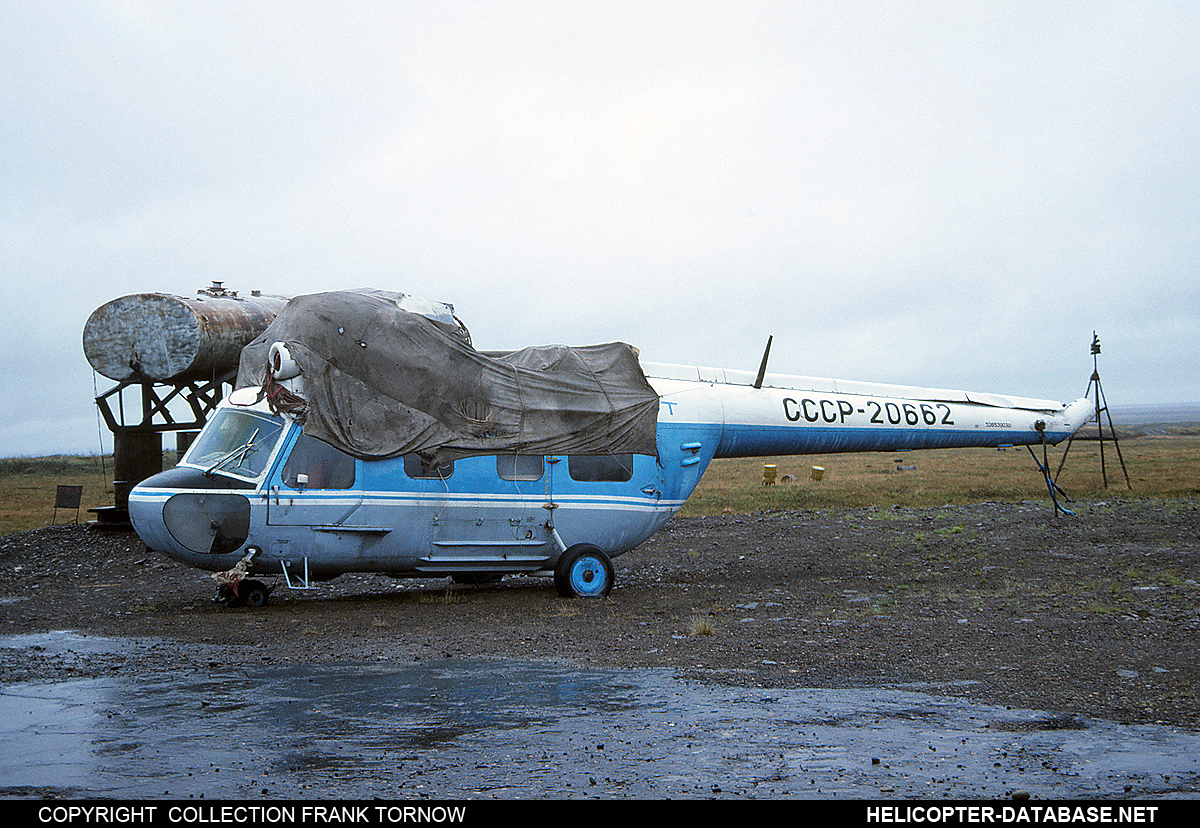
(588, 576)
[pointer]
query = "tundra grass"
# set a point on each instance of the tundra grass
(1157, 467)
(28, 484)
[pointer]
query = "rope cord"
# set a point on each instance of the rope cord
(100, 440)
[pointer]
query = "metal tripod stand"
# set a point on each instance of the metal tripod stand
(1101, 408)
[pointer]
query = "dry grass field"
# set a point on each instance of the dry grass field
(1166, 465)
(27, 487)
(1162, 466)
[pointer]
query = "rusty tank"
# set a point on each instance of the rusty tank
(158, 338)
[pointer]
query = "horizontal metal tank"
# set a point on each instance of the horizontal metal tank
(156, 337)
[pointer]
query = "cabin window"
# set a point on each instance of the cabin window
(601, 468)
(520, 466)
(420, 468)
(326, 466)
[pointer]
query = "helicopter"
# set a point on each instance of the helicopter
(366, 434)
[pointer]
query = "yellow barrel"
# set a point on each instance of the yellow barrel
(769, 474)
(818, 472)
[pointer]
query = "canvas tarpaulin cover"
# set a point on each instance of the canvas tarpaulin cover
(381, 380)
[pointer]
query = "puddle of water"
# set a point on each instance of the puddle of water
(62, 641)
(461, 729)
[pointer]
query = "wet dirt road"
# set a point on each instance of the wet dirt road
(462, 729)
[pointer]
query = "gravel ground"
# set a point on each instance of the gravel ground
(1087, 616)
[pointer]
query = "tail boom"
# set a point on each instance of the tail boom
(827, 416)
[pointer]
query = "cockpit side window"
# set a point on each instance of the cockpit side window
(325, 466)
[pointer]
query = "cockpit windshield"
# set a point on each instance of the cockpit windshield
(235, 442)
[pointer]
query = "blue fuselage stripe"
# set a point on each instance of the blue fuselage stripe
(767, 441)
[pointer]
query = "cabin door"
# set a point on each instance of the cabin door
(493, 520)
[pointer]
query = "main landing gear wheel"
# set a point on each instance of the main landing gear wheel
(583, 571)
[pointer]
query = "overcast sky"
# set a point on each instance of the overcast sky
(948, 194)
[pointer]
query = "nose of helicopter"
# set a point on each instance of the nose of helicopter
(190, 518)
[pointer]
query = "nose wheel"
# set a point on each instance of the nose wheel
(583, 571)
(245, 593)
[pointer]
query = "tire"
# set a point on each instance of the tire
(583, 571)
(253, 594)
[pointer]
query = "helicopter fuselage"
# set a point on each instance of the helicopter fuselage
(254, 482)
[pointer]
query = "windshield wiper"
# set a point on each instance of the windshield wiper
(241, 452)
